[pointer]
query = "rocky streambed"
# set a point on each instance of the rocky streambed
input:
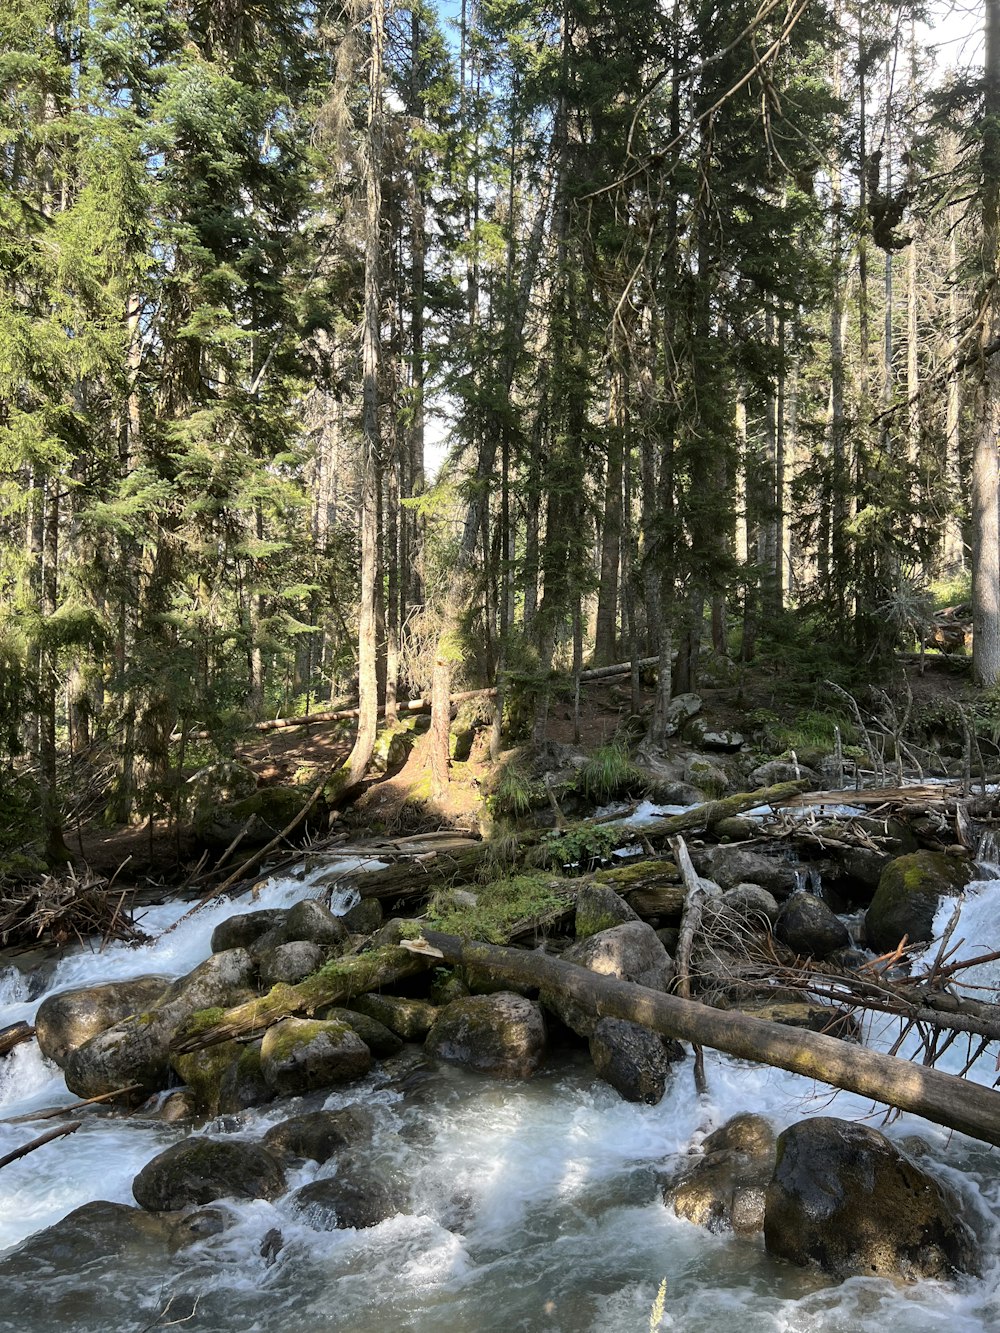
(435, 1159)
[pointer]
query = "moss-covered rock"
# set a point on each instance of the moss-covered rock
(501, 1034)
(409, 1019)
(259, 817)
(300, 1055)
(365, 917)
(199, 1170)
(225, 1078)
(908, 894)
(379, 1039)
(599, 907)
(843, 1197)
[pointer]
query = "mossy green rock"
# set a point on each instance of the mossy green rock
(300, 1055)
(224, 1079)
(501, 1034)
(843, 1197)
(908, 894)
(379, 1039)
(199, 1170)
(599, 907)
(409, 1019)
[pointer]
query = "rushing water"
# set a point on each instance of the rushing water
(529, 1205)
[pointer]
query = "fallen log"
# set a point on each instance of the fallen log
(13, 1036)
(341, 980)
(710, 813)
(942, 1098)
(407, 705)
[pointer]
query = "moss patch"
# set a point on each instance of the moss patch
(502, 905)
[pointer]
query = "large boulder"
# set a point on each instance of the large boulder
(379, 1039)
(317, 1135)
(357, 1196)
(313, 921)
(290, 963)
(199, 1170)
(731, 865)
(724, 1189)
(241, 932)
(807, 926)
(599, 907)
(843, 1197)
(137, 1050)
(501, 1034)
(633, 1059)
(300, 1055)
(630, 952)
(409, 1019)
(225, 1078)
(908, 894)
(67, 1020)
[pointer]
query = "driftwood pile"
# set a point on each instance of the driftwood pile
(67, 908)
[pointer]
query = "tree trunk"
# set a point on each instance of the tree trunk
(985, 473)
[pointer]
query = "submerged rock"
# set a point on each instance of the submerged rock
(501, 1034)
(357, 1196)
(300, 1055)
(200, 1170)
(317, 1135)
(67, 1020)
(908, 894)
(98, 1230)
(633, 1059)
(846, 1198)
(725, 1189)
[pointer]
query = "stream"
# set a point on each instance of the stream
(531, 1206)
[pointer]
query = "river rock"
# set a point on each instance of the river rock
(630, 952)
(356, 1197)
(726, 1187)
(290, 963)
(807, 926)
(729, 866)
(137, 1050)
(201, 1225)
(365, 917)
(379, 1039)
(908, 894)
(67, 1020)
(751, 905)
(313, 921)
(409, 1019)
(846, 1198)
(224, 1079)
(779, 770)
(317, 1135)
(698, 731)
(94, 1231)
(633, 1059)
(240, 932)
(600, 908)
(199, 1170)
(709, 778)
(679, 710)
(501, 1034)
(300, 1055)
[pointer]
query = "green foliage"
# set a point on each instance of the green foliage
(581, 848)
(953, 591)
(499, 906)
(515, 793)
(609, 772)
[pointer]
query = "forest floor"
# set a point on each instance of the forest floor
(159, 851)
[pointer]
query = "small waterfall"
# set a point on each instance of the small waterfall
(815, 882)
(987, 856)
(796, 765)
(800, 880)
